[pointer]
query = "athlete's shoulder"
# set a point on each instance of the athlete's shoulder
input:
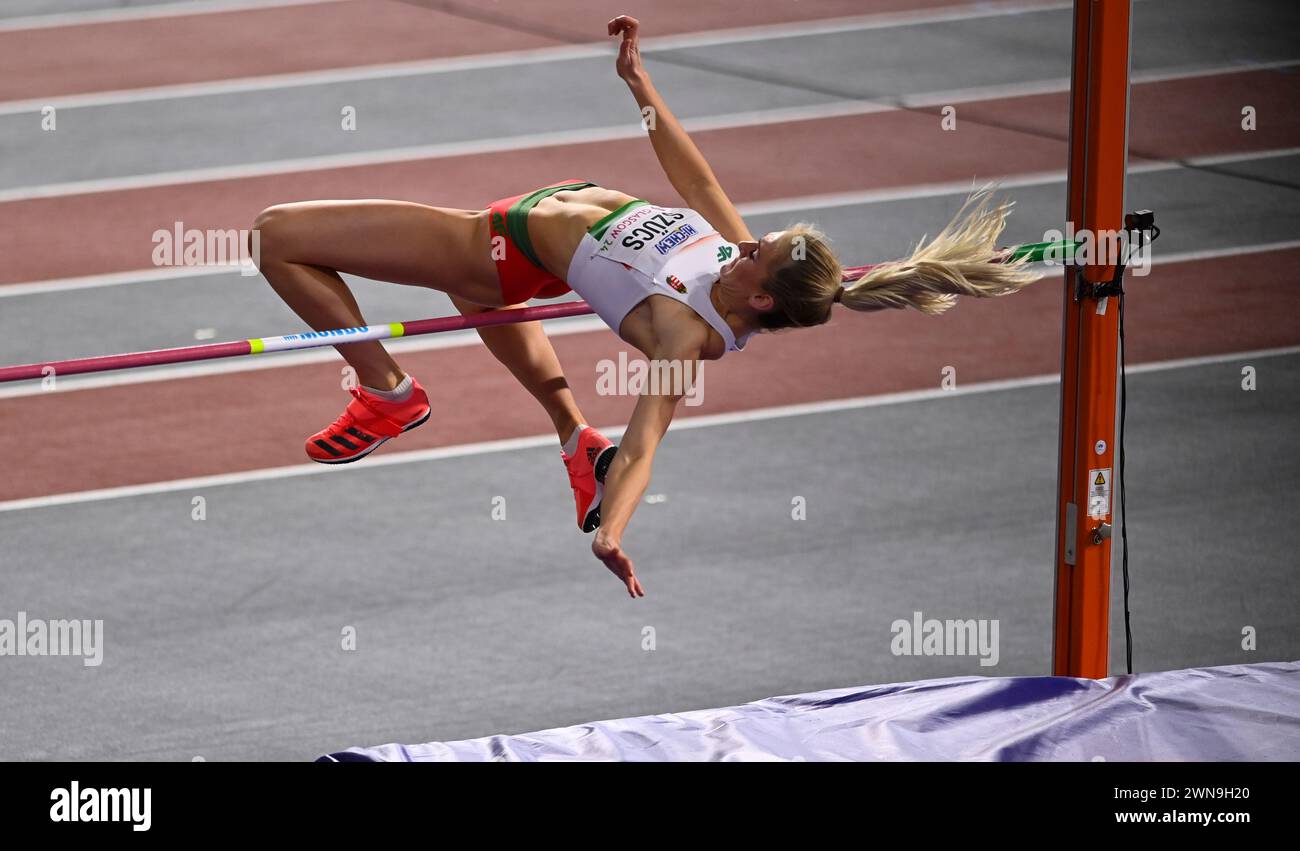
(679, 332)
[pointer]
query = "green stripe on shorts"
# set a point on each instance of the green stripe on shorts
(598, 229)
(517, 217)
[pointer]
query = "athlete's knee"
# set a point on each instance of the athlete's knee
(271, 218)
(274, 227)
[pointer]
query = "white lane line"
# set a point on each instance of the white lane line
(326, 161)
(1230, 251)
(953, 187)
(109, 279)
(1062, 84)
(446, 340)
(803, 202)
(850, 23)
(595, 49)
(498, 144)
(545, 440)
(456, 339)
(512, 58)
(141, 13)
(441, 150)
(270, 82)
(473, 147)
(541, 140)
(912, 191)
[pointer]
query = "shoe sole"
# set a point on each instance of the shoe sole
(606, 457)
(378, 443)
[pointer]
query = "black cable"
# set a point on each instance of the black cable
(1123, 493)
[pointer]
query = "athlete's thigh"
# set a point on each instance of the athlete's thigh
(394, 241)
(470, 308)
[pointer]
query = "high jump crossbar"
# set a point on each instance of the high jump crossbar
(313, 339)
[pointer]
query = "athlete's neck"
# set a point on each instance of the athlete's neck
(739, 327)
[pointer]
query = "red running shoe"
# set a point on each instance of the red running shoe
(587, 467)
(366, 424)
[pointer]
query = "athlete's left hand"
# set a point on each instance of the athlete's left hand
(611, 553)
(629, 51)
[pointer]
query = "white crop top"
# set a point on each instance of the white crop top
(644, 250)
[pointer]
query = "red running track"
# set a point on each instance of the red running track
(177, 429)
(74, 235)
(228, 45)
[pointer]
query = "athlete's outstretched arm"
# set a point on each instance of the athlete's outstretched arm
(685, 166)
(629, 474)
(626, 481)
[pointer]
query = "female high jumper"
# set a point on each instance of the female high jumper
(680, 284)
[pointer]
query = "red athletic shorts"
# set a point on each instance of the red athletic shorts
(520, 272)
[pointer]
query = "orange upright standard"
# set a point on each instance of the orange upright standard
(1090, 340)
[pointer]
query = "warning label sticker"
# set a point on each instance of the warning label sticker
(1099, 493)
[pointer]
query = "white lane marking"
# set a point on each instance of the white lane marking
(498, 144)
(505, 58)
(852, 23)
(269, 82)
(252, 363)
(141, 13)
(441, 150)
(110, 279)
(792, 204)
(326, 161)
(1062, 84)
(930, 190)
(1231, 251)
(544, 440)
(449, 340)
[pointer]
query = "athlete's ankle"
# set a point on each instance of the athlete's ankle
(569, 444)
(567, 430)
(398, 391)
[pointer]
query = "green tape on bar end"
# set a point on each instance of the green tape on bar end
(256, 347)
(1037, 251)
(395, 329)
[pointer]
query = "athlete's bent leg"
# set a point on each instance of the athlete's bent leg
(304, 246)
(525, 350)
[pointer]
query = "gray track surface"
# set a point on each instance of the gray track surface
(100, 321)
(493, 103)
(24, 8)
(223, 636)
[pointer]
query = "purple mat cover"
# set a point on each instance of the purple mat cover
(1229, 713)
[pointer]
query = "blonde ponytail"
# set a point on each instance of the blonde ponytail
(962, 260)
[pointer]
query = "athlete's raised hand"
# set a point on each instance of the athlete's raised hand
(629, 52)
(611, 553)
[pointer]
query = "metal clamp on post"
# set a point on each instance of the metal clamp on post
(1139, 224)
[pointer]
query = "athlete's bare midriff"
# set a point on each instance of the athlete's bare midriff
(557, 225)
